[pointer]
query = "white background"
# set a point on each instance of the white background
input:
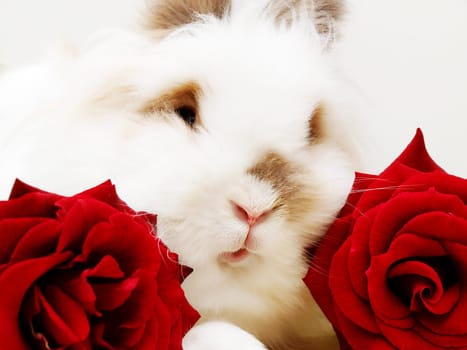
(408, 58)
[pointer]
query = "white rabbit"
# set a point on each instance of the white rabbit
(234, 129)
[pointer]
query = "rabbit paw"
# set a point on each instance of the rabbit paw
(218, 335)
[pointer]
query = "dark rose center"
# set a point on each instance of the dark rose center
(61, 308)
(425, 283)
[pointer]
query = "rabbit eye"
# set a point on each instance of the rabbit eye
(179, 101)
(188, 114)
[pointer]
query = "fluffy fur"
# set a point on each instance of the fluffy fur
(253, 152)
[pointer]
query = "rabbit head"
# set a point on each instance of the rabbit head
(268, 157)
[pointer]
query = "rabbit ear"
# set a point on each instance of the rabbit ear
(324, 14)
(167, 15)
(325, 11)
(171, 14)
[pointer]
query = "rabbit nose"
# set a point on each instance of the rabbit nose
(248, 215)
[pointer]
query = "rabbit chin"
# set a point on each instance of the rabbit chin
(260, 294)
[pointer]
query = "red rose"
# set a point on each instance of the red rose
(395, 261)
(85, 272)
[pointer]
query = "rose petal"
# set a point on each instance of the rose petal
(139, 308)
(84, 345)
(11, 231)
(407, 339)
(39, 241)
(151, 334)
(359, 338)
(174, 297)
(407, 245)
(317, 277)
(412, 162)
(127, 324)
(445, 341)
(362, 183)
(97, 336)
(111, 295)
(378, 192)
(346, 301)
(30, 205)
(79, 219)
(11, 297)
(384, 303)
(405, 207)
(164, 325)
(449, 324)
(439, 180)
(416, 156)
(107, 267)
(424, 288)
(21, 188)
(129, 337)
(76, 285)
(359, 254)
(104, 193)
(31, 305)
(61, 318)
(129, 242)
(443, 226)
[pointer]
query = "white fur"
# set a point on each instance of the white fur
(72, 121)
(227, 337)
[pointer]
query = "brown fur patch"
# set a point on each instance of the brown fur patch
(282, 175)
(316, 125)
(171, 14)
(182, 96)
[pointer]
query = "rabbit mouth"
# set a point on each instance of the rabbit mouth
(236, 257)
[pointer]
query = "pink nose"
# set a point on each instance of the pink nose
(247, 215)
